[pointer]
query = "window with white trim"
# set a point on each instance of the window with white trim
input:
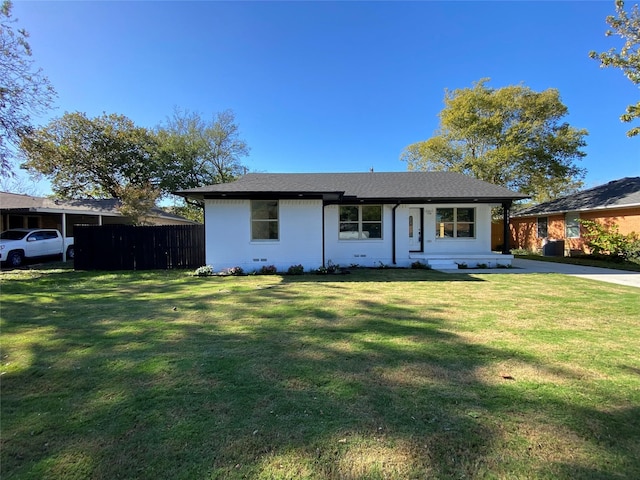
(264, 220)
(543, 227)
(455, 222)
(572, 225)
(360, 222)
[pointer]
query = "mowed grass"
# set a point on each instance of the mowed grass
(376, 374)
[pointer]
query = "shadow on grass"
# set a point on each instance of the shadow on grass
(144, 376)
(386, 275)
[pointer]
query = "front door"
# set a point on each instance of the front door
(415, 230)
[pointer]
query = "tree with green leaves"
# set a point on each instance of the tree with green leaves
(200, 152)
(627, 26)
(103, 157)
(24, 90)
(194, 152)
(510, 136)
(110, 157)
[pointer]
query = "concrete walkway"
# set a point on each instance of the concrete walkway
(620, 277)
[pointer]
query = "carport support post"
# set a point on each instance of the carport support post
(64, 237)
(506, 206)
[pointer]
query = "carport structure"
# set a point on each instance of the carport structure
(27, 211)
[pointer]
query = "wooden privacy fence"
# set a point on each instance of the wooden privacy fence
(127, 247)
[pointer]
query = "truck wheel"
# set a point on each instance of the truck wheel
(71, 253)
(15, 259)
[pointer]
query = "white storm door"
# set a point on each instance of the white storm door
(415, 229)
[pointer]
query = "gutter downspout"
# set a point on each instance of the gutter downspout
(323, 234)
(393, 230)
(506, 234)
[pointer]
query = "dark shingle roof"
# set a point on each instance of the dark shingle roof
(397, 186)
(89, 206)
(623, 193)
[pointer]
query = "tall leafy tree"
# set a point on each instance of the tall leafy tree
(200, 152)
(103, 157)
(194, 152)
(110, 157)
(510, 136)
(627, 26)
(24, 89)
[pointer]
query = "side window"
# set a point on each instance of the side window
(264, 220)
(542, 227)
(572, 225)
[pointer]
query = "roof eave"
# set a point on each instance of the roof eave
(588, 209)
(260, 195)
(339, 197)
(104, 213)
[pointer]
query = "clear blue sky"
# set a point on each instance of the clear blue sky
(331, 86)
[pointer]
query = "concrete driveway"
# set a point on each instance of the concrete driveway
(620, 277)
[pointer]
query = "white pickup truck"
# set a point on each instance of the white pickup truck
(18, 244)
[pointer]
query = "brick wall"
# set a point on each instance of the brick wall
(524, 230)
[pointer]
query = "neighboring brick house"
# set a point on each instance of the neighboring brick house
(615, 203)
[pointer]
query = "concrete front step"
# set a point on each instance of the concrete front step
(452, 261)
(442, 264)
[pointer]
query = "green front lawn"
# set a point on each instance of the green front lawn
(376, 374)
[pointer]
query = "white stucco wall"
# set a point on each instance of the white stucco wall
(480, 244)
(228, 237)
(229, 244)
(365, 253)
(372, 253)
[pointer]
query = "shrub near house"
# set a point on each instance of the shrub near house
(609, 242)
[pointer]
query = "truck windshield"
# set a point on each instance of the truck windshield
(12, 235)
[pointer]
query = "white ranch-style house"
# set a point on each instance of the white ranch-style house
(441, 219)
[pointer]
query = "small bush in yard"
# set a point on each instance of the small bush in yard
(234, 271)
(268, 270)
(295, 270)
(331, 268)
(609, 242)
(521, 251)
(204, 271)
(417, 265)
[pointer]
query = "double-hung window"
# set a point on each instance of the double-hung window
(455, 222)
(360, 222)
(572, 225)
(542, 227)
(264, 220)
